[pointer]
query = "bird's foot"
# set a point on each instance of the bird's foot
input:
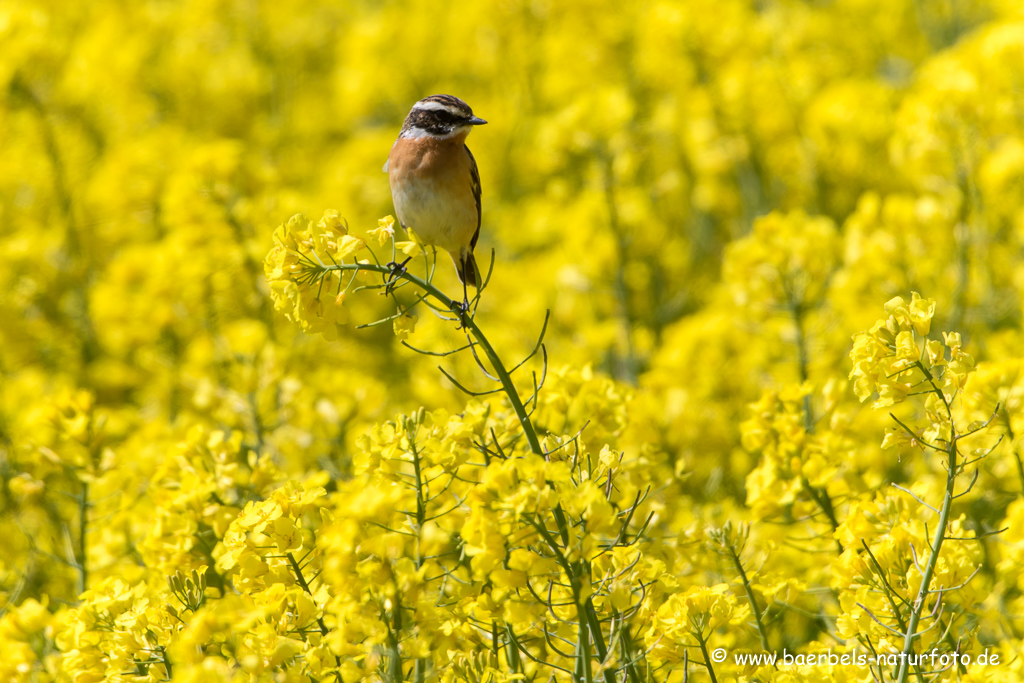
(461, 309)
(396, 272)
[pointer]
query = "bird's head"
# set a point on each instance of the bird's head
(439, 116)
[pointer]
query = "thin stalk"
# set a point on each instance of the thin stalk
(824, 501)
(420, 665)
(820, 496)
(421, 504)
(83, 527)
(929, 568)
(595, 629)
(304, 585)
(628, 368)
(165, 661)
(499, 368)
(625, 640)
(515, 662)
(802, 362)
(762, 633)
(394, 657)
(888, 591)
(1020, 466)
(707, 658)
(940, 535)
(583, 670)
(1014, 451)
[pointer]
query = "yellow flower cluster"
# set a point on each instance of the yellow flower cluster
(326, 242)
(885, 357)
(801, 466)
(784, 264)
(877, 574)
(230, 452)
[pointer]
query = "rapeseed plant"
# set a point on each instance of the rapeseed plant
(227, 451)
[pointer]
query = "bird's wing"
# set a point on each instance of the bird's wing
(474, 180)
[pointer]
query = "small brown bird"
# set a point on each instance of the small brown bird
(435, 183)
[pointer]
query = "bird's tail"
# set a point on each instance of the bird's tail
(465, 264)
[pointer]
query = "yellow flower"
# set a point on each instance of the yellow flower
(385, 230)
(404, 325)
(286, 535)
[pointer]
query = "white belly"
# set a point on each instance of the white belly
(437, 217)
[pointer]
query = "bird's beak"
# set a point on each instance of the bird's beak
(476, 121)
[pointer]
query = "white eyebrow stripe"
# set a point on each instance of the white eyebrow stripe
(415, 132)
(435, 106)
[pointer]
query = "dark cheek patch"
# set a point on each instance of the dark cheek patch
(437, 122)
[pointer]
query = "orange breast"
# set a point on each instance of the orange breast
(426, 157)
(432, 190)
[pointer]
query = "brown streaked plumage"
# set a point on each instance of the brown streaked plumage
(435, 183)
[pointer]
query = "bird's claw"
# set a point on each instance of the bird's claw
(460, 308)
(397, 270)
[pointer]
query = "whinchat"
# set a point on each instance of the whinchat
(434, 180)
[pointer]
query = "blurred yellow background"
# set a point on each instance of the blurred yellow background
(710, 198)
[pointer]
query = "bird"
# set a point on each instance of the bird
(435, 182)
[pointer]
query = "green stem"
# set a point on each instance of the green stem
(929, 569)
(1016, 451)
(515, 661)
(888, 591)
(499, 368)
(583, 670)
(707, 658)
(304, 585)
(421, 504)
(820, 496)
(595, 629)
(628, 369)
(1020, 465)
(824, 501)
(83, 527)
(940, 533)
(420, 666)
(753, 600)
(166, 662)
(625, 640)
(394, 656)
(802, 362)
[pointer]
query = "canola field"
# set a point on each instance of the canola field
(742, 399)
